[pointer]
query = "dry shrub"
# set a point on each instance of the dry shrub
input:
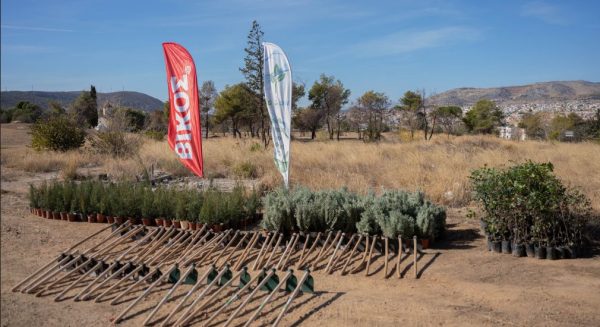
(245, 169)
(123, 169)
(69, 171)
(158, 155)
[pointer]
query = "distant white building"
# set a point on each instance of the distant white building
(512, 133)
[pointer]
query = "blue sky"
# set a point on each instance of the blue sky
(386, 46)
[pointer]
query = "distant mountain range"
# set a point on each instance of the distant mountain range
(136, 100)
(539, 93)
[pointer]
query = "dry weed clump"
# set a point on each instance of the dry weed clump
(48, 161)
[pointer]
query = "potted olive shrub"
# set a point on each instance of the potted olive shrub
(528, 206)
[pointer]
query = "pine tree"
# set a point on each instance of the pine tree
(253, 72)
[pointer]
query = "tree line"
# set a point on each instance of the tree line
(240, 109)
(561, 127)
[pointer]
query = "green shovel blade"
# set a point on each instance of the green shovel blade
(227, 275)
(309, 285)
(211, 275)
(191, 278)
(174, 276)
(291, 283)
(271, 284)
(244, 278)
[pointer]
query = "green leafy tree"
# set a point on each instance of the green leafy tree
(298, 92)
(57, 134)
(308, 119)
(24, 111)
(329, 95)
(136, 118)
(234, 104)
(410, 104)
(483, 118)
(85, 108)
(253, 72)
(374, 106)
(448, 116)
(559, 124)
(534, 125)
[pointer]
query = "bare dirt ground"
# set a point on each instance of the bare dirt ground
(459, 283)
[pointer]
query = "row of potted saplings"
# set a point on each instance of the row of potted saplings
(96, 201)
(552, 237)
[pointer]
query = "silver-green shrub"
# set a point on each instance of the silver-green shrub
(278, 211)
(393, 213)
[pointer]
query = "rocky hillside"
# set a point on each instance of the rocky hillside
(129, 99)
(513, 95)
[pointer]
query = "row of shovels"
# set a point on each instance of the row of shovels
(149, 258)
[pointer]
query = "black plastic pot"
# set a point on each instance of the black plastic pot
(551, 253)
(483, 225)
(573, 254)
(497, 246)
(529, 249)
(490, 244)
(540, 252)
(506, 247)
(518, 250)
(563, 253)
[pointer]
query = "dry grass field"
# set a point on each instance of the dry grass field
(459, 284)
(439, 167)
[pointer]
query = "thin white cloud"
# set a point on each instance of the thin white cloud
(544, 11)
(35, 28)
(26, 49)
(409, 41)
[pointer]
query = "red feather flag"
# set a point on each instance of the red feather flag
(185, 135)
